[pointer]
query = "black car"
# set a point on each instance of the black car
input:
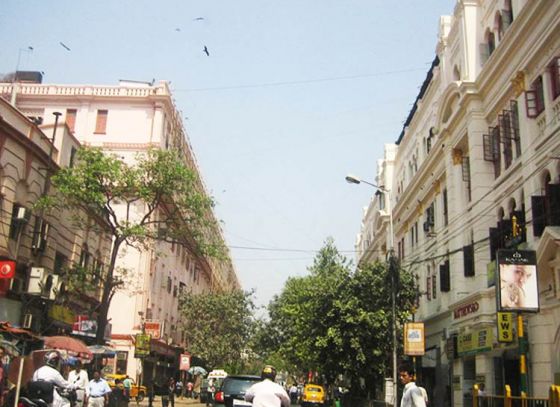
(233, 390)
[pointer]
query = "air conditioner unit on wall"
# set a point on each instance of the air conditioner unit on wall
(35, 283)
(27, 321)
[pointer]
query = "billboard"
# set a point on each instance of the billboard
(185, 361)
(142, 345)
(414, 338)
(516, 281)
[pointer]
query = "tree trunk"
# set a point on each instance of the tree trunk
(108, 287)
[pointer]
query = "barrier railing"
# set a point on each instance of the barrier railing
(507, 400)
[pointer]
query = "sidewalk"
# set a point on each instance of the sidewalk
(178, 403)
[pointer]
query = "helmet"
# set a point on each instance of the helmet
(268, 372)
(52, 359)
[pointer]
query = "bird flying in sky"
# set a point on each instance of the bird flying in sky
(65, 46)
(198, 19)
(206, 51)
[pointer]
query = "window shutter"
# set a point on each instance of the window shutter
(444, 277)
(434, 287)
(555, 77)
(71, 119)
(514, 115)
(553, 198)
(495, 132)
(466, 169)
(101, 122)
(468, 260)
(484, 50)
(531, 103)
(429, 288)
(507, 18)
(507, 136)
(538, 211)
(487, 148)
(495, 242)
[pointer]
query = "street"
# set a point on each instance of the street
(178, 403)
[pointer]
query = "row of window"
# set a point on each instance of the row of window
(535, 96)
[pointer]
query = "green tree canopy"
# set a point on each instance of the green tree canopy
(155, 198)
(218, 327)
(337, 320)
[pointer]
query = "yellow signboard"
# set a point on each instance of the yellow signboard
(414, 339)
(62, 314)
(505, 327)
(142, 345)
(475, 342)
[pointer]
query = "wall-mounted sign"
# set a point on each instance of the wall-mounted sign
(466, 310)
(62, 314)
(84, 326)
(153, 328)
(7, 269)
(517, 287)
(505, 326)
(414, 339)
(475, 342)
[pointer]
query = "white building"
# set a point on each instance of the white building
(478, 158)
(124, 120)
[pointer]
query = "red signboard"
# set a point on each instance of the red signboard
(153, 328)
(7, 269)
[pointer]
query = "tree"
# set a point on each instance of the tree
(157, 198)
(218, 327)
(337, 320)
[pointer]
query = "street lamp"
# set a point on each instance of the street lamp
(352, 179)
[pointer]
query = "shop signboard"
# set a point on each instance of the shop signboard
(414, 339)
(505, 326)
(84, 326)
(517, 284)
(142, 345)
(152, 328)
(474, 342)
(62, 314)
(184, 361)
(7, 269)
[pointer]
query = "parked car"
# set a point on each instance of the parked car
(313, 395)
(136, 392)
(232, 392)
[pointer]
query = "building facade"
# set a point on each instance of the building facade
(477, 169)
(126, 120)
(43, 245)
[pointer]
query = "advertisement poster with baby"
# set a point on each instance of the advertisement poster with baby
(517, 283)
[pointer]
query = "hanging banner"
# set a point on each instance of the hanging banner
(414, 339)
(478, 341)
(517, 288)
(505, 327)
(142, 345)
(185, 361)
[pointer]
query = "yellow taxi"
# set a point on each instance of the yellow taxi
(136, 392)
(313, 395)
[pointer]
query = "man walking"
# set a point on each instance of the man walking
(127, 384)
(79, 378)
(97, 391)
(412, 396)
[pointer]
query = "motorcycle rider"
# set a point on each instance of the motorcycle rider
(267, 393)
(49, 373)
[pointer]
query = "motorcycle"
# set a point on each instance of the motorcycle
(25, 400)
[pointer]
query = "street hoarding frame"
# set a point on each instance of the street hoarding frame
(414, 344)
(142, 346)
(517, 288)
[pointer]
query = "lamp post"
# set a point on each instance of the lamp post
(352, 179)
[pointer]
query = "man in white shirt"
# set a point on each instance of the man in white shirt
(49, 373)
(412, 396)
(79, 378)
(267, 393)
(97, 391)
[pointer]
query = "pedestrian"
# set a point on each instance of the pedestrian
(293, 393)
(267, 393)
(168, 396)
(196, 387)
(179, 388)
(412, 395)
(190, 386)
(118, 397)
(79, 378)
(97, 391)
(482, 395)
(151, 393)
(127, 384)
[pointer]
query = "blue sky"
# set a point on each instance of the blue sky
(294, 95)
